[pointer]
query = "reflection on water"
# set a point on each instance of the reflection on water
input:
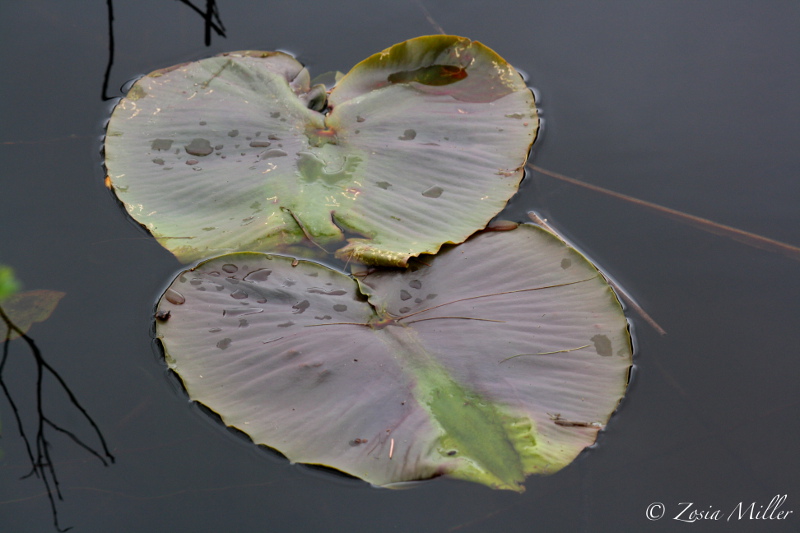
(43, 465)
(211, 18)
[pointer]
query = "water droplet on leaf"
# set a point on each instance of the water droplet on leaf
(258, 275)
(331, 292)
(408, 135)
(240, 311)
(161, 144)
(174, 297)
(433, 192)
(602, 345)
(301, 307)
(199, 147)
(275, 152)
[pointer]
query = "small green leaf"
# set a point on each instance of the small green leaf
(8, 283)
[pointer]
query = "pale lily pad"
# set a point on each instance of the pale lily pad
(23, 309)
(479, 364)
(419, 145)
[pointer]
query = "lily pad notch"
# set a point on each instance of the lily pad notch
(419, 145)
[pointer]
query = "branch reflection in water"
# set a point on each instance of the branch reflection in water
(211, 18)
(42, 465)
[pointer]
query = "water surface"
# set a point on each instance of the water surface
(689, 105)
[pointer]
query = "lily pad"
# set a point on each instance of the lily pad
(419, 145)
(495, 359)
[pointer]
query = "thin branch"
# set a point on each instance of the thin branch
(76, 440)
(104, 96)
(42, 465)
(304, 230)
(210, 15)
(211, 18)
(7, 393)
(72, 398)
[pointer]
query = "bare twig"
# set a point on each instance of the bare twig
(42, 465)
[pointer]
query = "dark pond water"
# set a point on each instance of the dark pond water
(691, 105)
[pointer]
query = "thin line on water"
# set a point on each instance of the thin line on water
(745, 237)
(430, 19)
